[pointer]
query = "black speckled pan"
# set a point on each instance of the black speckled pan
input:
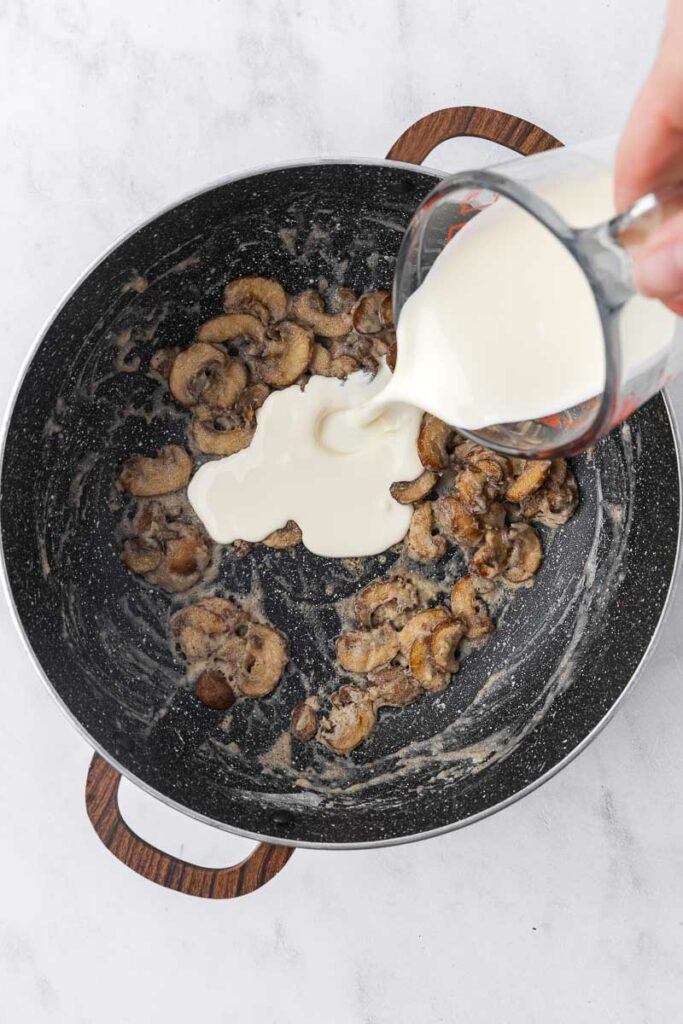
(562, 657)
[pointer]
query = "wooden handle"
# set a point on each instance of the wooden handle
(419, 140)
(101, 801)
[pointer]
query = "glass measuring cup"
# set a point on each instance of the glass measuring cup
(642, 342)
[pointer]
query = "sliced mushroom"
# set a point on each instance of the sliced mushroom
(252, 294)
(467, 606)
(555, 502)
(526, 553)
(490, 559)
(142, 555)
(341, 300)
(493, 465)
(287, 537)
(472, 490)
(362, 650)
(385, 601)
(393, 687)
(386, 313)
(423, 666)
(433, 442)
(444, 643)
(407, 492)
(161, 362)
(351, 719)
(254, 663)
(219, 433)
(186, 555)
(192, 371)
(251, 399)
(213, 689)
(343, 366)
(532, 476)
(391, 356)
(225, 385)
(367, 314)
(423, 544)
(457, 522)
(149, 476)
(494, 517)
(201, 627)
(321, 361)
(304, 721)
(309, 309)
(421, 625)
(229, 327)
(287, 353)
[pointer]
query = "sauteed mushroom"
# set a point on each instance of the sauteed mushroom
(444, 643)
(394, 687)
(219, 433)
(230, 326)
(386, 313)
(304, 721)
(161, 362)
(407, 492)
(363, 650)
(321, 361)
(200, 628)
(287, 537)
(533, 474)
(167, 551)
(526, 553)
(213, 689)
(351, 719)
(255, 662)
(490, 559)
(286, 355)
(423, 544)
(423, 666)
(309, 309)
(467, 606)
(433, 442)
(254, 294)
(192, 370)
(367, 313)
(421, 625)
(385, 601)
(457, 522)
(149, 476)
(555, 502)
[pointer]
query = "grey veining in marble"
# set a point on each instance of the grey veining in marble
(568, 906)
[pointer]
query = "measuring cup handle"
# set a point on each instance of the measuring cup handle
(421, 138)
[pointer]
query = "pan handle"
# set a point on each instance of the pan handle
(101, 801)
(424, 135)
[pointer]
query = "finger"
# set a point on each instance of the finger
(650, 154)
(659, 271)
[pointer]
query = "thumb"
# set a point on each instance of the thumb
(658, 265)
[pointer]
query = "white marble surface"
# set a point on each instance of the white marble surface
(567, 907)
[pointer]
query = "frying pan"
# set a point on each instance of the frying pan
(562, 657)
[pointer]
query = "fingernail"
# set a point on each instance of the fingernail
(660, 272)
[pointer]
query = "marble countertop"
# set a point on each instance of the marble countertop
(567, 906)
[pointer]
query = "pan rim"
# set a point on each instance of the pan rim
(190, 812)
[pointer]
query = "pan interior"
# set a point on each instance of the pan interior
(563, 653)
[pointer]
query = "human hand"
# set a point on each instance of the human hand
(650, 156)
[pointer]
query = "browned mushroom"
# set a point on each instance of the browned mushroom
(367, 314)
(490, 559)
(433, 442)
(423, 543)
(321, 361)
(142, 554)
(351, 719)
(157, 531)
(386, 313)
(422, 665)
(186, 556)
(255, 662)
(219, 432)
(393, 687)
(493, 465)
(149, 476)
(467, 606)
(309, 309)
(385, 601)
(342, 366)
(161, 362)
(421, 625)
(526, 553)
(287, 537)
(362, 650)
(213, 689)
(555, 502)
(230, 327)
(201, 627)
(192, 370)
(407, 492)
(532, 476)
(286, 355)
(304, 721)
(340, 300)
(457, 522)
(225, 385)
(472, 490)
(444, 643)
(251, 399)
(254, 294)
